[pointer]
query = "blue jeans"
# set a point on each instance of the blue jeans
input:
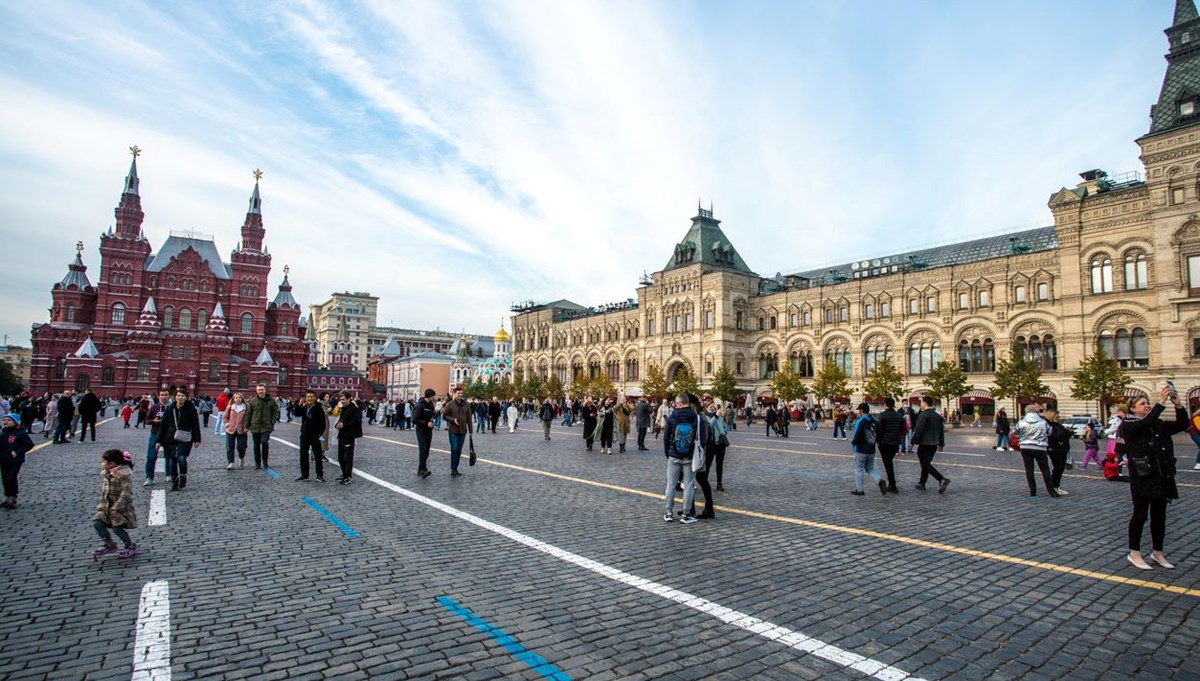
(839, 427)
(566, 420)
(456, 445)
(151, 456)
(177, 454)
(1196, 439)
(1002, 440)
(437, 421)
(864, 464)
(674, 467)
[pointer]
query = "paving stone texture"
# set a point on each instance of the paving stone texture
(264, 587)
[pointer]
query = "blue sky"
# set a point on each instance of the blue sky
(456, 157)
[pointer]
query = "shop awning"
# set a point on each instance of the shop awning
(977, 396)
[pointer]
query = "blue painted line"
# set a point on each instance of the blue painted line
(330, 517)
(536, 662)
(272, 473)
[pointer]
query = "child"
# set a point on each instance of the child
(1112, 468)
(1091, 444)
(115, 510)
(14, 444)
(127, 413)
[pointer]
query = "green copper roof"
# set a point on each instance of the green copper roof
(705, 243)
(1179, 101)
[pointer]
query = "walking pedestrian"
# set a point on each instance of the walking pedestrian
(313, 425)
(1091, 445)
(1033, 434)
(223, 401)
(15, 443)
(115, 511)
(929, 435)
(1002, 430)
(178, 435)
(1151, 453)
(891, 435)
(863, 441)
(423, 424)
(622, 412)
(1058, 448)
(153, 420)
(89, 408)
(457, 414)
(546, 416)
(233, 421)
(65, 413)
(262, 413)
(590, 414)
(494, 412)
(605, 421)
(641, 419)
(349, 429)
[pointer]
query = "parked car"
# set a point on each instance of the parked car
(1078, 422)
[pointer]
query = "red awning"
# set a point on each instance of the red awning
(977, 397)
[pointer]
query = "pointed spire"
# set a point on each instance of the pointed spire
(255, 201)
(343, 328)
(148, 319)
(77, 272)
(264, 358)
(88, 349)
(252, 228)
(1185, 11)
(217, 321)
(219, 313)
(151, 308)
(131, 180)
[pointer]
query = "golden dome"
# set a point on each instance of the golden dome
(501, 335)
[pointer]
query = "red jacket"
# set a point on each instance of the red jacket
(222, 402)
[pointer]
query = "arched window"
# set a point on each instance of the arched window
(168, 317)
(768, 364)
(1135, 271)
(201, 319)
(802, 363)
(243, 381)
(70, 313)
(614, 370)
(185, 319)
(143, 369)
(1128, 346)
(247, 322)
(631, 370)
(82, 382)
(1102, 274)
(840, 357)
(118, 314)
(1041, 351)
(107, 376)
(874, 354)
(283, 375)
(60, 368)
(923, 356)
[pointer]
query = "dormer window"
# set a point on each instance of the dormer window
(1187, 108)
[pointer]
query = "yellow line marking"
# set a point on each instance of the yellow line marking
(938, 546)
(940, 464)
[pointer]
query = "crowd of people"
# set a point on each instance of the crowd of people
(693, 432)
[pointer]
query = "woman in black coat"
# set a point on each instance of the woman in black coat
(1146, 441)
(349, 429)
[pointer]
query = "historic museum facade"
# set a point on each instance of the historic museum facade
(178, 317)
(1120, 265)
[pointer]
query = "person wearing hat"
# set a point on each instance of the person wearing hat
(423, 424)
(14, 444)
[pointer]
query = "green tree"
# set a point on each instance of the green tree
(531, 388)
(884, 380)
(724, 385)
(504, 388)
(580, 386)
(787, 385)
(10, 382)
(601, 386)
(1017, 377)
(831, 381)
(553, 388)
(656, 386)
(1099, 378)
(479, 389)
(947, 380)
(685, 382)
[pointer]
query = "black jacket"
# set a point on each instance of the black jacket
(66, 409)
(312, 419)
(89, 406)
(891, 427)
(1149, 439)
(1059, 441)
(351, 418)
(174, 418)
(930, 429)
(683, 415)
(423, 414)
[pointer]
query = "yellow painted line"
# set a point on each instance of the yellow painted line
(50, 442)
(843, 529)
(940, 463)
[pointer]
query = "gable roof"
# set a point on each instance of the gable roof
(175, 245)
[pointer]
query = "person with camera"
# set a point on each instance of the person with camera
(1145, 439)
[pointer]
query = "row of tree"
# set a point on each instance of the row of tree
(1099, 378)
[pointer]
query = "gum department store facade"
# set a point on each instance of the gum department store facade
(1120, 265)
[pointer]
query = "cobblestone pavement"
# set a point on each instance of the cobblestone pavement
(546, 561)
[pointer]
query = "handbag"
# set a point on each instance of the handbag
(471, 450)
(1014, 442)
(698, 452)
(183, 435)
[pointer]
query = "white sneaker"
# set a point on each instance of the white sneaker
(147, 483)
(688, 519)
(669, 517)
(1196, 467)
(1061, 492)
(229, 467)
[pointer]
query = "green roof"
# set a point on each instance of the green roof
(1179, 100)
(706, 244)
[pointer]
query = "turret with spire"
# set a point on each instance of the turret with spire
(74, 297)
(128, 212)
(252, 229)
(1179, 100)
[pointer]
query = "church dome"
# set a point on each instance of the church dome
(501, 336)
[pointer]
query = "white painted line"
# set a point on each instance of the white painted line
(158, 507)
(160, 466)
(152, 644)
(794, 639)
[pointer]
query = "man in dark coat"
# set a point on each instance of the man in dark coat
(891, 434)
(66, 414)
(89, 408)
(349, 428)
(929, 436)
(313, 424)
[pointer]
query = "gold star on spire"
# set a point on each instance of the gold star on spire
(257, 174)
(135, 151)
(286, 269)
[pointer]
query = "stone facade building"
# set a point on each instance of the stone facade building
(1120, 266)
(178, 317)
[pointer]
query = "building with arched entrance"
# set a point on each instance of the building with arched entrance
(1117, 265)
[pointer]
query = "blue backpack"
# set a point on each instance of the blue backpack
(685, 437)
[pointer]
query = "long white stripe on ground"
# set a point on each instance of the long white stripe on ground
(160, 465)
(152, 644)
(158, 507)
(774, 632)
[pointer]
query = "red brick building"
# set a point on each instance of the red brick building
(180, 316)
